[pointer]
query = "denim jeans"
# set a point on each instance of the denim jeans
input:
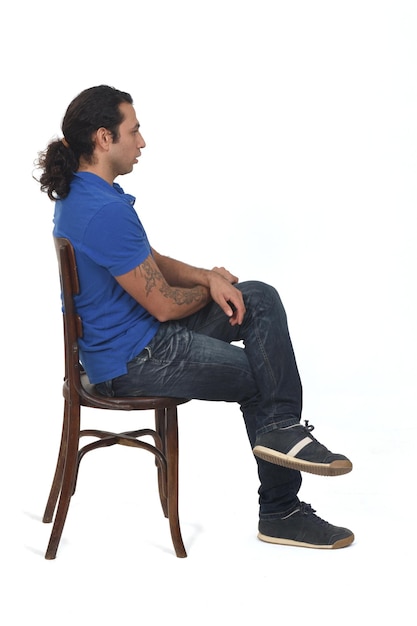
(195, 358)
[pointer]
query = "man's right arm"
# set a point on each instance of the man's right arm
(147, 285)
(219, 281)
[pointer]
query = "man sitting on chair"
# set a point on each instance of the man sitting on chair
(153, 325)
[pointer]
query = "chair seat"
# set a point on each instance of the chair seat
(91, 397)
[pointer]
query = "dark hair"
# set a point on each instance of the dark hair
(93, 108)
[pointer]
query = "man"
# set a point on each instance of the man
(156, 326)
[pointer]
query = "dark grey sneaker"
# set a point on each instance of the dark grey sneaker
(304, 529)
(296, 448)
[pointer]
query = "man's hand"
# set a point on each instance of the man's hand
(226, 274)
(226, 295)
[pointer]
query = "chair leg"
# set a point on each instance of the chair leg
(171, 425)
(161, 430)
(68, 480)
(59, 471)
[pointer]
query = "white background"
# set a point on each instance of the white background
(281, 143)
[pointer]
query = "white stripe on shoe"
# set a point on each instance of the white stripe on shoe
(299, 446)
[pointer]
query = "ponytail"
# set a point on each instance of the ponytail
(58, 163)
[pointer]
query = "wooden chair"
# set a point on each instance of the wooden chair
(79, 392)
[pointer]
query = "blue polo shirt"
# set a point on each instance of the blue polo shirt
(109, 240)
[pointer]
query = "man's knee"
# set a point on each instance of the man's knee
(258, 290)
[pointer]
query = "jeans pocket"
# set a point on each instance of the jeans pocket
(142, 357)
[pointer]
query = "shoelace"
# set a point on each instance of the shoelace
(307, 509)
(308, 426)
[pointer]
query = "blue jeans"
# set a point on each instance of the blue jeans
(195, 358)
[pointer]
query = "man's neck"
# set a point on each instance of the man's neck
(99, 170)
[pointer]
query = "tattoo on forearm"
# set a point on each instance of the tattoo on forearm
(150, 274)
(154, 279)
(182, 296)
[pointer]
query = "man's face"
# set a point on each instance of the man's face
(124, 153)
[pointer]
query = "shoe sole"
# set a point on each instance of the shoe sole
(336, 468)
(341, 543)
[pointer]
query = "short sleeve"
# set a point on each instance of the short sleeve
(116, 239)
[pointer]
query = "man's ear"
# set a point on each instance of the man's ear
(103, 139)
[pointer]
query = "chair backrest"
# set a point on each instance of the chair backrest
(70, 287)
(76, 383)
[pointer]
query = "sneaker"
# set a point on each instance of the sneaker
(296, 448)
(304, 529)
